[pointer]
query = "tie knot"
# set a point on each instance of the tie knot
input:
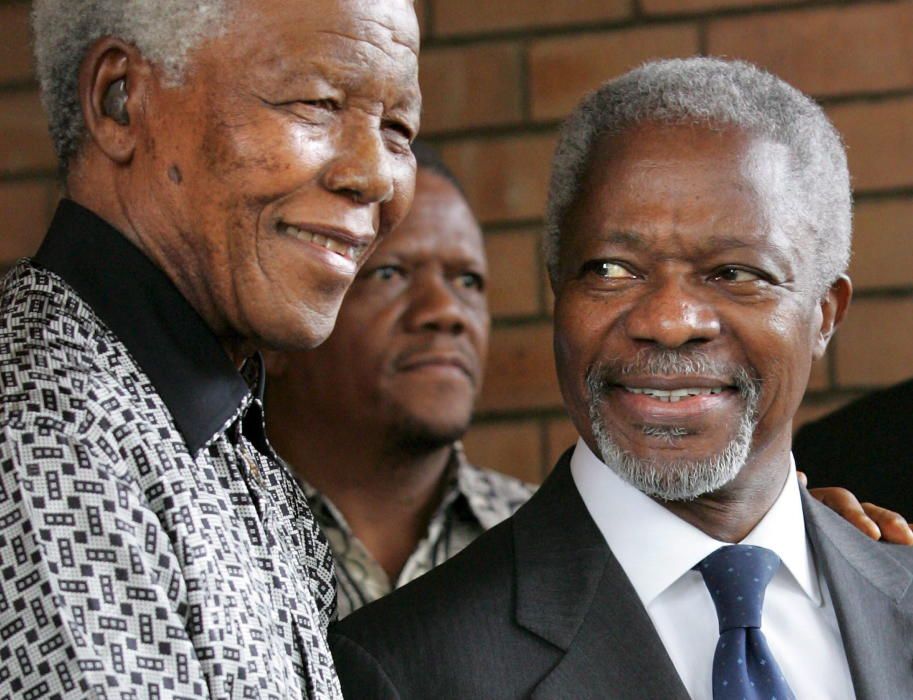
(737, 576)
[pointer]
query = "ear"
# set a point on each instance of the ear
(833, 310)
(111, 82)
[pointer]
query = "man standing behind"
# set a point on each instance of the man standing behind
(699, 229)
(371, 419)
(228, 166)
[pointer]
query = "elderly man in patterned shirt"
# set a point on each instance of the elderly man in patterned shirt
(228, 166)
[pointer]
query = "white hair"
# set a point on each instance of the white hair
(164, 31)
(716, 92)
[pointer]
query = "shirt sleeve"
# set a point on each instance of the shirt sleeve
(92, 600)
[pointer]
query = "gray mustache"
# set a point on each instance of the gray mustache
(602, 376)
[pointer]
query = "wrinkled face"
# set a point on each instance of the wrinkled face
(686, 303)
(281, 159)
(408, 351)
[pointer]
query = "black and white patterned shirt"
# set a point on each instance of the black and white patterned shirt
(475, 500)
(151, 545)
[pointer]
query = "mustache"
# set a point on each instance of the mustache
(461, 352)
(602, 376)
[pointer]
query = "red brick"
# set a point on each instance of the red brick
(883, 244)
(563, 70)
(24, 140)
(874, 344)
(421, 12)
(478, 16)
(661, 7)
(474, 86)
(879, 138)
(560, 435)
(504, 178)
(15, 49)
(25, 209)
(837, 50)
(513, 273)
(512, 447)
(521, 370)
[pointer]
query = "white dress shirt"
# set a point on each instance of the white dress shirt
(657, 551)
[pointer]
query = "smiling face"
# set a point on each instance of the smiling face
(406, 358)
(684, 324)
(269, 173)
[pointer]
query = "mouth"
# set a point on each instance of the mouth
(346, 244)
(675, 395)
(436, 360)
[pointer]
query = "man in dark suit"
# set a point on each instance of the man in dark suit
(867, 446)
(698, 233)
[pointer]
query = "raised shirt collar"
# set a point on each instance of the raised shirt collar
(655, 547)
(136, 300)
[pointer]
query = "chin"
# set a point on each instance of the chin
(418, 432)
(296, 329)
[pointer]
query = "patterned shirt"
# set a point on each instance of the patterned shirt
(151, 545)
(474, 501)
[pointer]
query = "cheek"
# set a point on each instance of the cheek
(781, 352)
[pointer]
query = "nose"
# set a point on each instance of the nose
(362, 167)
(435, 306)
(672, 315)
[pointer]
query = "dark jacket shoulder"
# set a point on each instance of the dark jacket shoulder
(406, 644)
(866, 446)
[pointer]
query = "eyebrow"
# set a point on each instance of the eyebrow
(628, 239)
(636, 241)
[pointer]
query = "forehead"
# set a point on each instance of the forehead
(652, 179)
(439, 225)
(281, 38)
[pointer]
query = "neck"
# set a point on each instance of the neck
(731, 513)
(97, 188)
(387, 495)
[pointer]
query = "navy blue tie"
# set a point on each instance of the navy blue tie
(743, 665)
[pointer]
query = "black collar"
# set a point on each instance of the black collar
(138, 302)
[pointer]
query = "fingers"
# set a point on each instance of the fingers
(894, 527)
(848, 507)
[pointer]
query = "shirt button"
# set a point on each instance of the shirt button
(253, 468)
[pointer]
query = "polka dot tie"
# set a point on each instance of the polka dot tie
(743, 665)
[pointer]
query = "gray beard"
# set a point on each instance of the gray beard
(676, 479)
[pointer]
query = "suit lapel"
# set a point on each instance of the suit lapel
(871, 592)
(573, 593)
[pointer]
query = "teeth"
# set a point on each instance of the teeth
(347, 251)
(674, 395)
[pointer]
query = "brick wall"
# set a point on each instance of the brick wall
(498, 76)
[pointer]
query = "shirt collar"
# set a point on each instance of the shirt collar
(460, 494)
(136, 300)
(656, 548)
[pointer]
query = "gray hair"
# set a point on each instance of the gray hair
(164, 31)
(716, 92)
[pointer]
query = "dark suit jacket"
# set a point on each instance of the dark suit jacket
(866, 446)
(539, 607)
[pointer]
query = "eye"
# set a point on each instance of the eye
(471, 280)
(325, 103)
(398, 134)
(387, 272)
(608, 269)
(732, 273)
(311, 110)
